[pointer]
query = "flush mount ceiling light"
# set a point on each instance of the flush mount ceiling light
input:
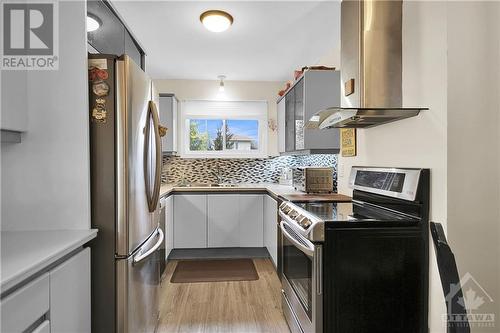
(93, 23)
(221, 83)
(216, 20)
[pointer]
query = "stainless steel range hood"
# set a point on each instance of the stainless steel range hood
(371, 67)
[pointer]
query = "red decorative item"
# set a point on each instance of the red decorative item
(297, 74)
(282, 92)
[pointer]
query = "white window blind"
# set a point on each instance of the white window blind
(224, 129)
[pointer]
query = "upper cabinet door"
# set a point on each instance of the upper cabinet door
(168, 119)
(299, 114)
(281, 126)
(314, 91)
(14, 101)
(322, 90)
(290, 121)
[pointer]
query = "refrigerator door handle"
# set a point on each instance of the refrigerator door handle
(156, 119)
(143, 255)
(152, 197)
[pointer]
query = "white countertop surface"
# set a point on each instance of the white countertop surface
(283, 192)
(272, 188)
(24, 253)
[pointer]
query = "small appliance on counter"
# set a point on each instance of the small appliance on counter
(313, 179)
(286, 177)
(360, 266)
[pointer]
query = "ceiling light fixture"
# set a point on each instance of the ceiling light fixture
(221, 83)
(216, 20)
(93, 23)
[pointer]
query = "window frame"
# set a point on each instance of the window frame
(261, 117)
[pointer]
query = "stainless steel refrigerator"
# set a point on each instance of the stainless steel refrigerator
(125, 151)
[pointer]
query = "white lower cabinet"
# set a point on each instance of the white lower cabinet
(190, 221)
(271, 228)
(218, 220)
(70, 295)
(169, 225)
(59, 300)
(25, 306)
(223, 223)
(251, 216)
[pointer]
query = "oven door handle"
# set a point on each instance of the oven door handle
(308, 250)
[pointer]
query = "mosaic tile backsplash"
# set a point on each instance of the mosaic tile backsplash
(248, 170)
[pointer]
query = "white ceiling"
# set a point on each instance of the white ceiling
(268, 40)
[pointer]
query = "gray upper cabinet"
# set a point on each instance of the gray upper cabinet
(281, 126)
(168, 118)
(314, 91)
(112, 37)
(14, 105)
(290, 121)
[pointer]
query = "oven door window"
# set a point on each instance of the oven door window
(297, 268)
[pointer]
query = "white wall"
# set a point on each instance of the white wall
(474, 144)
(45, 179)
(419, 141)
(451, 65)
(234, 91)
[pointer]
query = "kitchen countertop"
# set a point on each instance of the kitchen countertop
(24, 253)
(284, 192)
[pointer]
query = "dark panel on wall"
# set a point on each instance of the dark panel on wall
(131, 49)
(112, 37)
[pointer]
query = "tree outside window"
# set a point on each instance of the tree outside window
(223, 134)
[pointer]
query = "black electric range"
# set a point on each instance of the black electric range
(360, 266)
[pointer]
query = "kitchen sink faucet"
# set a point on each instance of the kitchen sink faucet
(218, 174)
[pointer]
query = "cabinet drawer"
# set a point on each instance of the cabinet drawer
(22, 308)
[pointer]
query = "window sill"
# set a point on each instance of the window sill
(223, 155)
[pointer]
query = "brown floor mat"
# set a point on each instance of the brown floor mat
(189, 271)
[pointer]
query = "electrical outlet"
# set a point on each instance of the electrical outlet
(341, 170)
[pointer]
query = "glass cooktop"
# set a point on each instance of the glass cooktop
(351, 212)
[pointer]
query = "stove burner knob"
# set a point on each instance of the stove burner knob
(306, 223)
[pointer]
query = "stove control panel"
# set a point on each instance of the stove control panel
(297, 215)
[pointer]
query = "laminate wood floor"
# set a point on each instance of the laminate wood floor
(236, 306)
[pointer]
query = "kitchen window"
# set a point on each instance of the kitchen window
(224, 129)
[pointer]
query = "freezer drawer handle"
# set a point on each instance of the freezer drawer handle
(141, 256)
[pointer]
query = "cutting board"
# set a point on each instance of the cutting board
(297, 197)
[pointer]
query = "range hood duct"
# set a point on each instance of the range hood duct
(371, 67)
